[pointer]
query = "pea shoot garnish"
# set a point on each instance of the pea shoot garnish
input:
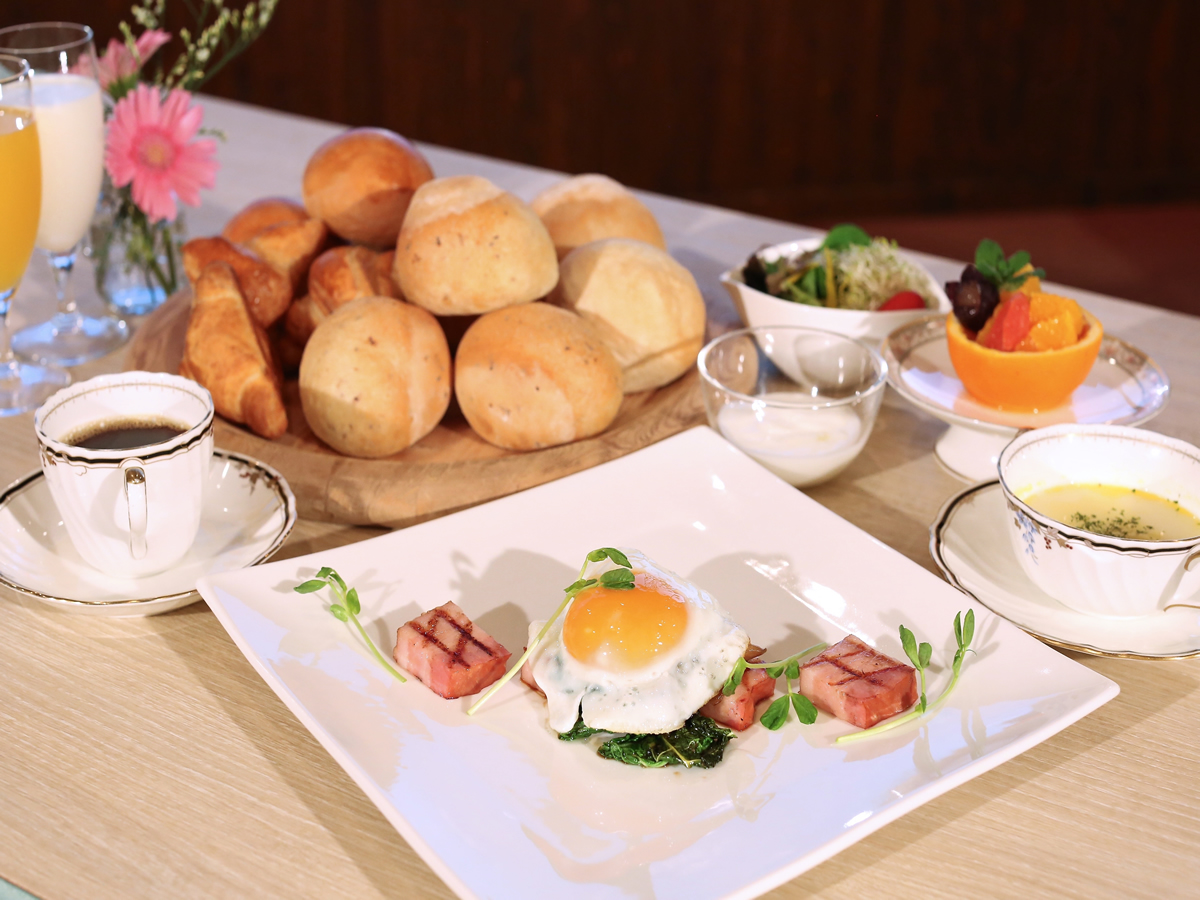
(620, 579)
(777, 713)
(346, 609)
(920, 656)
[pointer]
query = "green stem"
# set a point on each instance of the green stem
(516, 667)
(370, 643)
(815, 648)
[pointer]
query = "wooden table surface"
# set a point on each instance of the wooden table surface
(145, 758)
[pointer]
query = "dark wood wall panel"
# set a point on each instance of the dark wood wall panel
(796, 110)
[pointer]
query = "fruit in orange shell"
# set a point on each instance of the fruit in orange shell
(1023, 380)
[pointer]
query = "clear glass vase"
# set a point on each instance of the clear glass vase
(137, 262)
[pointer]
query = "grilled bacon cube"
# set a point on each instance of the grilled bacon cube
(451, 655)
(858, 684)
(737, 710)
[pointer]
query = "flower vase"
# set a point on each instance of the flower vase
(137, 261)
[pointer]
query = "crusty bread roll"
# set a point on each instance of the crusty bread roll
(534, 376)
(468, 247)
(267, 290)
(643, 304)
(229, 353)
(589, 208)
(375, 377)
(360, 184)
(261, 215)
(335, 278)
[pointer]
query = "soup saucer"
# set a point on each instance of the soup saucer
(969, 543)
(248, 512)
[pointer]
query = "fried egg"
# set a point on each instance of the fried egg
(635, 661)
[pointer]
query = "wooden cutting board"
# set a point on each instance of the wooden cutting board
(449, 469)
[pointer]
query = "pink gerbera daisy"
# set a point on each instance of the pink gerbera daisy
(150, 144)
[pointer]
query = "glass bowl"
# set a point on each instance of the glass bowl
(800, 401)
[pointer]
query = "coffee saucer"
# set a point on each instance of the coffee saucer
(969, 542)
(248, 512)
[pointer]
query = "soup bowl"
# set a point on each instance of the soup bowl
(1089, 572)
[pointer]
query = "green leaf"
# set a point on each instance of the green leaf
(1018, 260)
(776, 670)
(989, 254)
(621, 579)
(338, 578)
(925, 654)
(579, 731)
(958, 628)
(776, 714)
(845, 235)
(793, 669)
(309, 587)
(805, 711)
(735, 677)
(610, 553)
(968, 628)
(352, 603)
(700, 742)
(909, 643)
(325, 572)
(580, 585)
(339, 612)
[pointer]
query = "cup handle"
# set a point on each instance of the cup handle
(135, 500)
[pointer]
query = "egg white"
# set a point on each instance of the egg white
(655, 698)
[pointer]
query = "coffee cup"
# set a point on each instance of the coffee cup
(126, 458)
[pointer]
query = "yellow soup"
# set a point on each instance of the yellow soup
(20, 193)
(1116, 512)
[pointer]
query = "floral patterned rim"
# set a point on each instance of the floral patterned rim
(937, 529)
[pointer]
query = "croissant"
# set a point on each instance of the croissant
(291, 247)
(268, 292)
(261, 215)
(229, 353)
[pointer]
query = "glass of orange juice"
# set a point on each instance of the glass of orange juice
(23, 386)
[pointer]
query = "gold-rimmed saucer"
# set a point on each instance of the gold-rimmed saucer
(248, 513)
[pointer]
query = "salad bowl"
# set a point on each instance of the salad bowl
(761, 309)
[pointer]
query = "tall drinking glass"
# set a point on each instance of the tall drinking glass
(70, 116)
(22, 386)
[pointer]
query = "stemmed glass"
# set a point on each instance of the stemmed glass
(70, 108)
(22, 386)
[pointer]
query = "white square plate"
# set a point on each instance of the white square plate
(500, 808)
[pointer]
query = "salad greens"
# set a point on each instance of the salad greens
(620, 579)
(698, 742)
(346, 609)
(848, 270)
(920, 655)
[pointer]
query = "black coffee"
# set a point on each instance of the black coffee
(124, 434)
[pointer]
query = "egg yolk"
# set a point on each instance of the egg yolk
(622, 630)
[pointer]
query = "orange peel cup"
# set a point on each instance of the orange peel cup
(1020, 380)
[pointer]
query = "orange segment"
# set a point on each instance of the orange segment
(1023, 381)
(622, 630)
(1028, 286)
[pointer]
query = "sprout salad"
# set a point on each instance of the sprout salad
(849, 270)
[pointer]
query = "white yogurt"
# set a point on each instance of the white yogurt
(802, 446)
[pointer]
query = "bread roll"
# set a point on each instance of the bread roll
(375, 377)
(335, 278)
(291, 248)
(268, 291)
(229, 353)
(261, 215)
(468, 247)
(534, 376)
(589, 208)
(643, 304)
(360, 184)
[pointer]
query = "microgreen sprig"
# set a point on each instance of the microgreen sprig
(920, 656)
(620, 579)
(991, 263)
(777, 713)
(346, 609)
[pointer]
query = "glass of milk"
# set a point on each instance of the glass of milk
(69, 101)
(801, 401)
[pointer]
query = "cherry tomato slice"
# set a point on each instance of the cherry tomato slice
(903, 300)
